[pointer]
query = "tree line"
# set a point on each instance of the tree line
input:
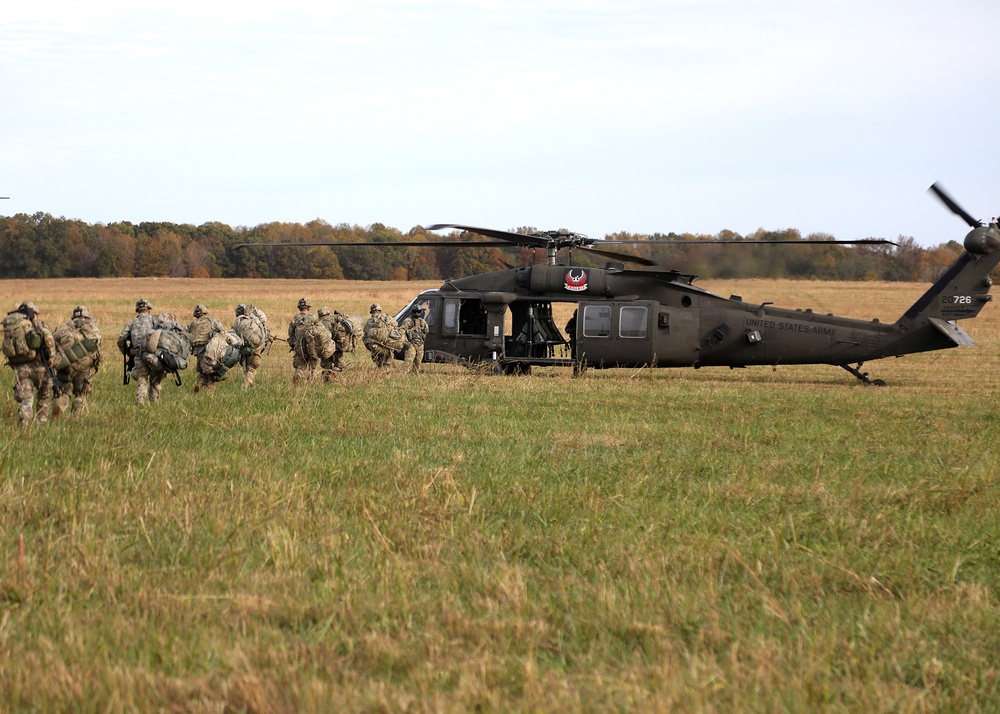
(42, 246)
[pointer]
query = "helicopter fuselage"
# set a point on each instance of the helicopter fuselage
(638, 318)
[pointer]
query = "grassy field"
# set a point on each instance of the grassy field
(633, 540)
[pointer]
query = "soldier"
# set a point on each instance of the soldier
(79, 341)
(130, 339)
(382, 337)
(201, 330)
(251, 325)
(166, 352)
(415, 331)
(329, 352)
(31, 353)
(571, 335)
(296, 329)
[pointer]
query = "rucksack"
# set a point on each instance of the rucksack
(166, 350)
(252, 331)
(20, 339)
(78, 346)
(354, 329)
(222, 353)
(201, 331)
(316, 342)
(142, 325)
(383, 334)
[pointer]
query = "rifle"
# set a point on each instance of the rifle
(50, 370)
(273, 338)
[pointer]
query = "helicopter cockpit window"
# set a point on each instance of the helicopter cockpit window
(632, 321)
(597, 321)
(430, 312)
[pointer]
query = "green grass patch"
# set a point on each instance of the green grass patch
(647, 540)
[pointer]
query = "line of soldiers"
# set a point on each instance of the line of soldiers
(46, 363)
(63, 363)
(155, 346)
(318, 341)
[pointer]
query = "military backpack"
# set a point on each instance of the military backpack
(21, 341)
(252, 330)
(201, 331)
(316, 342)
(78, 346)
(166, 350)
(222, 353)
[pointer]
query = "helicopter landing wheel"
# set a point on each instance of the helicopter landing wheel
(863, 376)
(516, 369)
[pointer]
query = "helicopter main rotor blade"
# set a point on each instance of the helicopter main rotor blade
(515, 238)
(860, 241)
(951, 204)
(392, 244)
(617, 256)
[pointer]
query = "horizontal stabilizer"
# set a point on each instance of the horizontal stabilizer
(954, 332)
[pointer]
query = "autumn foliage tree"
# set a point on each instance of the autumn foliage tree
(42, 246)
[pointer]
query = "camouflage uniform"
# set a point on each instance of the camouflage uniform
(147, 382)
(201, 330)
(415, 331)
(78, 377)
(251, 362)
(342, 330)
(34, 376)
(380, 325)
(296, 328)
(334, 363)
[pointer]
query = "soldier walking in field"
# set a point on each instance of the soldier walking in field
(415, 331)
(201, 330)
(130, 340)
(382, 337)
(251, 325)
(303, 366)
(326, 344)
(31, 353)
(79, 342)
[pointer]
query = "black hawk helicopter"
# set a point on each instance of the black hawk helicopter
(659, 318)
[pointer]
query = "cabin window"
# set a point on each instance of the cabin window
(597, 321)
(632, 321)
(451, 315)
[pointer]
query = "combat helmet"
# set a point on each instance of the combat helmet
(304, 304)
(241, 309)
(81, 311)
(323, 312)
(28, 308)
(142, 304)
(200, 311)
(417, 311)
(375, 308)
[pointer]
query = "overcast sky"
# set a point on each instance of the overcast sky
(593, 115)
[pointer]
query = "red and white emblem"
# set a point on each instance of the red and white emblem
(576, 280)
